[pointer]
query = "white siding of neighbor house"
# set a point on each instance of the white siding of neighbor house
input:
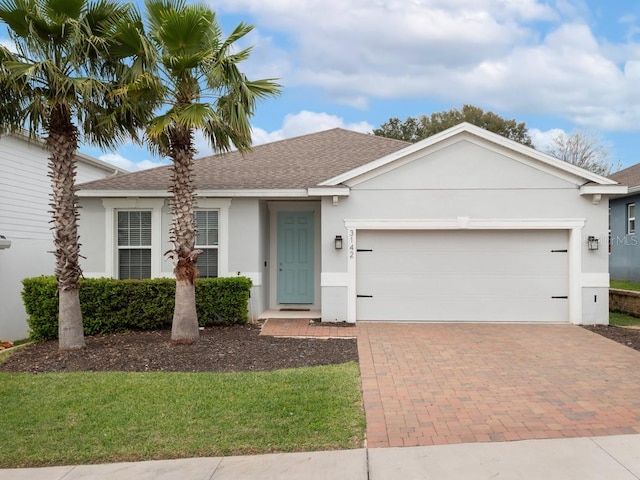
(24, 220)
(466, 179)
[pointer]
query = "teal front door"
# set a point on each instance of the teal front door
(295, 257)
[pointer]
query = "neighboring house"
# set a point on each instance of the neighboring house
(25, 250)
(624, 258)
(463, 226)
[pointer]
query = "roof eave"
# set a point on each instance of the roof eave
(340, 191)
(603, 189)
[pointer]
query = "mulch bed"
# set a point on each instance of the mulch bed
(624, 335)
(219, 349)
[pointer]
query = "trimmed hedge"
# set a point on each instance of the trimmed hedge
(110, 306)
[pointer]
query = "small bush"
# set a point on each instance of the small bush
(110, 306)
(222, 301)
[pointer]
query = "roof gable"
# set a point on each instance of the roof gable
(472, 133)
(462, 164)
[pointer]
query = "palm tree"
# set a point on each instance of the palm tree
(66, 79)
(203, 90)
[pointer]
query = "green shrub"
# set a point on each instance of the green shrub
(110, 306)
(222, 301)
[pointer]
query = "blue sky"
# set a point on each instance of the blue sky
(556, 65)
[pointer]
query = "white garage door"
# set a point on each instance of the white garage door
(478, 275)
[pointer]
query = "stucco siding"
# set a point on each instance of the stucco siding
(244, 232)
(91, 228)
(624, 261)
(260, 292)
(465, 166)
(465, 180)
(166, 266)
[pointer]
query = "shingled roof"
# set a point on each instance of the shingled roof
(294, 163)
(629, 176)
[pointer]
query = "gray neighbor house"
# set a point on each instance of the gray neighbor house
(624, 258)
(465, 225)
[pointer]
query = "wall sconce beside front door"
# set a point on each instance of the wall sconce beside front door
(592, 243)
(338, 242)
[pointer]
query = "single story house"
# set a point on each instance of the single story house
(463, 226)
(624, 258)
(26, 241)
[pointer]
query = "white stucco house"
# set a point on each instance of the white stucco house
(26, 241)
(463, 226)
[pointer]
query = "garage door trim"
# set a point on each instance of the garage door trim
(573, 225)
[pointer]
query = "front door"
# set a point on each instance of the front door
(295, 257)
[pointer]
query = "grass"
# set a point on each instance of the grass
(623, 320)
(91, 417)
(625, 285)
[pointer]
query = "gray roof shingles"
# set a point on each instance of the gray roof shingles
(295, 163)
(629, 176)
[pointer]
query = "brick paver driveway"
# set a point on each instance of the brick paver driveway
(426, 384)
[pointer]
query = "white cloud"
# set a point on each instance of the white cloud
(523, 56)
(543, 139)
(122, 162)
(305, 122)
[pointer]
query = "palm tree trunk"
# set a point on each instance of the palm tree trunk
(62, 145)
(183, 233)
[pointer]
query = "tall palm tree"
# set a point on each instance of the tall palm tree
(205, 91)
(66, 80)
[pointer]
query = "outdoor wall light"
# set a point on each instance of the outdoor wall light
(338, 242)
(592, 243)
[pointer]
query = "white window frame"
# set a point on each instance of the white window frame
(210, 247)
(156, 205)
(631, 218)
(222, 205)
(121, 248)
(112, 206)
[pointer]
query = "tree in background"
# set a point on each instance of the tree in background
(64, 82)
(584, 150)
(203, 90)
(416, 129)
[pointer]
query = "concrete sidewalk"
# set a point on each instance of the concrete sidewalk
(613, 458)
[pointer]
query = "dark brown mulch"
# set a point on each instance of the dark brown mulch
(624, 335)
(219, 349)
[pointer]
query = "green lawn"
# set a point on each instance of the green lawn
(623, 320)
(90, 417)
(625, 285)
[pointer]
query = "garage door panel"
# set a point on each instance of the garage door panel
(442, 310)
(463, 275)
(464, 264)
(477, 285)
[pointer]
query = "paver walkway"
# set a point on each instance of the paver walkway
(426, 384)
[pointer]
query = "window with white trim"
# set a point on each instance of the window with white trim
(207, 240)
(134, 244)
(631, 218)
